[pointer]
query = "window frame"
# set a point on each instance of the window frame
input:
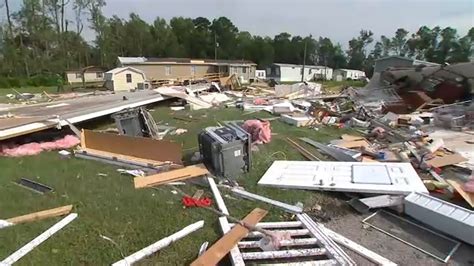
(127, 76)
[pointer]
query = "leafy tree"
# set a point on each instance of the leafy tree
(399, 42)
(357, 52)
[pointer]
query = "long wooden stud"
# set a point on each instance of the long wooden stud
(174, 175)
(17, 255)
(137, 256)
(369, 254)
(218, 251)
(41, 215)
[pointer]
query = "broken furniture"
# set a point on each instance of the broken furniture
(319, 249)
(380, 178)
(226, 150)
(135, 152)
(444, 216)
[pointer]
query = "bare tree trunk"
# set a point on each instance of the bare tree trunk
(10, 25)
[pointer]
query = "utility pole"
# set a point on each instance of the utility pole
(304, 61)
(215, 47)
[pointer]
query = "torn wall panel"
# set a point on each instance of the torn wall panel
(145, 148)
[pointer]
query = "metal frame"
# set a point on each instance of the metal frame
(457, 244)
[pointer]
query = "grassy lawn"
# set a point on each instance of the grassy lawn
(110, 206)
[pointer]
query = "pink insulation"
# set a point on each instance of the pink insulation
(35, 148)
(259, 130)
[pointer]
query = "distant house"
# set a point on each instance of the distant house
(125, 79)
(91, 74)
(260, 74)
(348, 74)
(186, 68)
(398, 61)
(292, 73)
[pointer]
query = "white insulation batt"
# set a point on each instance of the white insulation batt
(383, 178)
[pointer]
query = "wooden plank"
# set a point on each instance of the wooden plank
(283, 243)
(17, 255)
(297, 232)
(235, 255)
(369, 254)
(145, 252)
(348, 137)
(217, 251)
(217, 196)
(112, 155)
(274, 225)
(174, 175)
(145, 148)
(41, 215)
(467, 196)
(294, 253)
(282, 205)
(446, 160)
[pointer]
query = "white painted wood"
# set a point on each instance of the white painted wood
(337, 176)
(283, 254)
(382, 201)
(303, 263)
(17, 255)
(137, 256)
(334, 251)
(283, 243)
(217, 196)
(282, 205)
(273, 225)
(236, 256)
(4, 224)
(369, 254)
(203, 248)
(297, 232)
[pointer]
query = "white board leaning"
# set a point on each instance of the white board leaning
(384, 178)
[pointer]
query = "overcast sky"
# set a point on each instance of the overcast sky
(339, 20)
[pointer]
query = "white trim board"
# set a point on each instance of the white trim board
(338, 176)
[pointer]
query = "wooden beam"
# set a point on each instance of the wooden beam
(467, 196)
(143, 253)
(218, 251)
(174, 175)
(41, 215)
(17, 255)
(369, 254)
(282, 205)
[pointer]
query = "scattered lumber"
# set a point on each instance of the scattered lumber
(218, 251)
(17, 255)
(282, 205)
(171, 176)
(143, 253)
(36, 216)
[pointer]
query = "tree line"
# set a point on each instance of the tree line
(39, 39)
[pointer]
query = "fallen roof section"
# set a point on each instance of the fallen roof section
(382, 178)
(37, 117)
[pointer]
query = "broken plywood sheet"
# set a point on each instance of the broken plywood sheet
(467, 196)
(170, 176)
(399, 178)
(218, 251)
(446, 160)
(145, 148)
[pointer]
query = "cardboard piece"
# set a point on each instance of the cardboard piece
(446, 160)
(144, 148)
(218, 251)
(353, 144)
(170, 176)
(467, 196)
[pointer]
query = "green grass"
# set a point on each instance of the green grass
(110, 206)
(39, 90)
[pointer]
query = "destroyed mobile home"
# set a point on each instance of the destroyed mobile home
(406, 166)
